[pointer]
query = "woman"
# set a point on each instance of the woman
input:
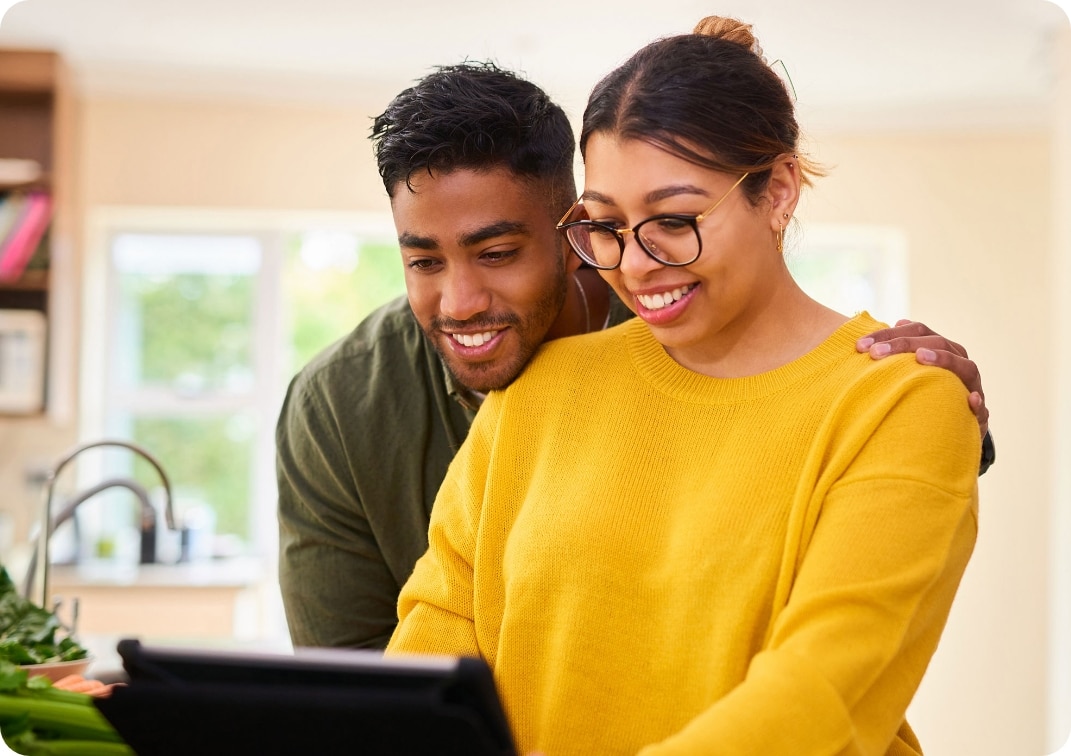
(652, 555)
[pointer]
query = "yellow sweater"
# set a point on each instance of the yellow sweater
(655, 561)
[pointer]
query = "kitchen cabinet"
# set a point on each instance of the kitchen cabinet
(183, 601)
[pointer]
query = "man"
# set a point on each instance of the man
(478, 165)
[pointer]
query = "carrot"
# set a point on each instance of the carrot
(89, 687)
(63, 681)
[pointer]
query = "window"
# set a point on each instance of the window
(853, 268)
(200, 331)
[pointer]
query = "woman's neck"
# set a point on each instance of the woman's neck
(789, 325)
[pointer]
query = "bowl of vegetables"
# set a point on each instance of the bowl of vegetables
(34, 639)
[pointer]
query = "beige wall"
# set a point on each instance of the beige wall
(1059, 450)
(977, 210)
(212, 154)
(978, 215)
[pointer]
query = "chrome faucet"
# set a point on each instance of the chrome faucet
(50, 523)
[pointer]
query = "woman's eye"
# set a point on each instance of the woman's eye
(602, 231)
(673, 225)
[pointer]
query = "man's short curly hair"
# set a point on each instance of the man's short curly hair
(476, 116)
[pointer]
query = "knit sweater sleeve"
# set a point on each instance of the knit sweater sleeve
(881, 547)
(436, 605)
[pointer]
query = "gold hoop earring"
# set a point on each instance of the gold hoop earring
(780, 238)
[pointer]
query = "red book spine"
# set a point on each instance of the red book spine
(21, 243)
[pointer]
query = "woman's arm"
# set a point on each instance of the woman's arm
(870, 594)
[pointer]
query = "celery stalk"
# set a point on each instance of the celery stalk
(67, 720)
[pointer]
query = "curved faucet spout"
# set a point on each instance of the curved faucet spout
(49, 524)
(148, 515)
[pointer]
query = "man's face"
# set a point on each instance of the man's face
(485, 271)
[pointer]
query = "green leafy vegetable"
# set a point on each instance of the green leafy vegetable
(28, 633)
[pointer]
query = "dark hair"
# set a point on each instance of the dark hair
(707, 97)
(476, 116)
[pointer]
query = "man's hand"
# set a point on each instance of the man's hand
(930, 349)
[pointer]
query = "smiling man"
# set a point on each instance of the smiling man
(478, 165)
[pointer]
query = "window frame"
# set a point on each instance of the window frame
(99, 309)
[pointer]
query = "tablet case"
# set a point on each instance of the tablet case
(322, 701)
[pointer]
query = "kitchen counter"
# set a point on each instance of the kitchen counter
(195, 600)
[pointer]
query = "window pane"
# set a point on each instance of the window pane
(853, 268)
(186, 307)
(331, 282)
(210, 463)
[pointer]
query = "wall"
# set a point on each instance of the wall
(1059, 451)
(235, 155)
(977, 211)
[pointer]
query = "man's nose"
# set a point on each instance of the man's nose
(464, 296)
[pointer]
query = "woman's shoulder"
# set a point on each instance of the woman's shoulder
(563, 360)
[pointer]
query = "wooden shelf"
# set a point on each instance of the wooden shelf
(34, 106)
(31, 280)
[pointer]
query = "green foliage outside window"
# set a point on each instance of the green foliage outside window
(327, 303)
(193, 333)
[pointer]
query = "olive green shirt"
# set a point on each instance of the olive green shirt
(366, 433)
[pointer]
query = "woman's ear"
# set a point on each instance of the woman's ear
(783, 191)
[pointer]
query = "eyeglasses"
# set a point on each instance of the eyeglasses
(672, 238)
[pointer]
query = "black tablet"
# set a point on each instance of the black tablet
(314, 701)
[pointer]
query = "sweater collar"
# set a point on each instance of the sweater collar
(657, 367)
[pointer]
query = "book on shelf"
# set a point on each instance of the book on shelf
(14, 171)
(26, 217)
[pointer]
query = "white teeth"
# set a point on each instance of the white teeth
(475, 339)
(658, 301)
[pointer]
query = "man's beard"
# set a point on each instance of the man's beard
(500, 372)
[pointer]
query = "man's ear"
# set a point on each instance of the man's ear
(572, 260)
(783, 191)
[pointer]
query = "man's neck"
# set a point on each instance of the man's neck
(587, 305)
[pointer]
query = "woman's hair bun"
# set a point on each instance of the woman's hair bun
(731, 30)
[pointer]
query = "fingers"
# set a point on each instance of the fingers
(930, 348)
(906, 336)
(977, 404)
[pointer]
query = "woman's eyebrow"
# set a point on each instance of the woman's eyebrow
(674, 190)
(651, 197)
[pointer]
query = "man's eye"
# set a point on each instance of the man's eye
(422, 264)
(499, 255)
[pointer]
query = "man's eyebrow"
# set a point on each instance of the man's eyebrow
(407, 240)
(492, 230)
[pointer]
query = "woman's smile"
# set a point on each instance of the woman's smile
(663, 306)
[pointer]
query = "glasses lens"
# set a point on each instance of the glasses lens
(670, 239)
(597, 244)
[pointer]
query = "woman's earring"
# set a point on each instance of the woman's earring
(780, 238)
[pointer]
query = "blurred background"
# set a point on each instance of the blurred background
(217, 219)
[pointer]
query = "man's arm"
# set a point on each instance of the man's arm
(337, 589)
(932, 348)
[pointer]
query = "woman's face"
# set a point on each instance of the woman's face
(700, 311)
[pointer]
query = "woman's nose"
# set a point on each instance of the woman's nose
(635, 262)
